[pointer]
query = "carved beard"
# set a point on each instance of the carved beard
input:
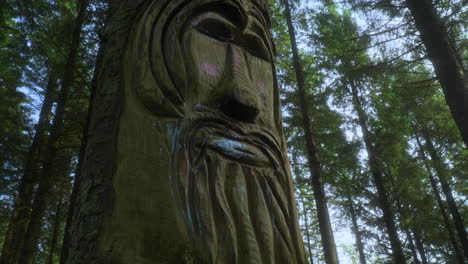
(234, 194)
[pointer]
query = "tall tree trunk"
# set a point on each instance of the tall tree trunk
(42, 196)
(443, 177)
(357, 234)
(445, 59)
(99, 158)
(77, 178)
(403, 215)
(21, 211)
(411, 245)
(420, 245)
(56, 231)
(443, 212)
(306, 220)
(377, 175)
(3, 6)
(326, 232)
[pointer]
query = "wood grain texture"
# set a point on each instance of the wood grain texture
(199, 173)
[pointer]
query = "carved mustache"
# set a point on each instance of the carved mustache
(234, 149)
(246, 143)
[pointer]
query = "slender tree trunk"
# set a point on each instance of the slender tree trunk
(328, 241)
(403, 214)
(420, 245)
(357, 234)
(445, 59)
(56, 231)
(3, 6)
(21, 212)
(306, 219)
(377, 175)
(42, 196)
(444, 214)
(411, 245)
(443, 176)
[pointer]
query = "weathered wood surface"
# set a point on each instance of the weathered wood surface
(193, 168)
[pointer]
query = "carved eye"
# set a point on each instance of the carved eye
(256, 47)
(223, 28)
(216, 29)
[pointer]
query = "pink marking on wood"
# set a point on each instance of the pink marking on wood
(237, 57)
(210, 69)
(261, 87)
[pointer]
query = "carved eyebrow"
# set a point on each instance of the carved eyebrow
(255, 26)
(259, 16)
(258, 30)
(216, 26)
(257, 23)
(231, 13)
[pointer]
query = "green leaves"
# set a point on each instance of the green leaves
(372, 45)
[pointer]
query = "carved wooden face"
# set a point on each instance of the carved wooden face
(229, 167)
(229, 67)
(202, 75)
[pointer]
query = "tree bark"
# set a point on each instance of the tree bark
(77, 178)
(21, 211)
(445, 59)
(443, 212)
(420, 245)
(326, 232)
(357, 234)
(443, 177)
(94, 193)
(377, 175)
(56, 231)
(411, 246)
(42, 196)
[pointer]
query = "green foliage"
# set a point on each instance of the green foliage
(15, 124)
(35, 38)
(397, 90)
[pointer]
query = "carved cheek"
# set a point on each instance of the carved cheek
(210, 69)
(205, 60)
(209, 63)
(265, 85)
(261, 87)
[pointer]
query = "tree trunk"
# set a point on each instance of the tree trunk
(306, 220)
(77, 178)
(93, 192)
(444, 214)
(377, 175)
(56, 231)
(411, 245)
(21, 211)
(420, 245)
(443, 177)
(326, 232)
(445, 59)
(357, 234)
(405, 228)
(42, 196)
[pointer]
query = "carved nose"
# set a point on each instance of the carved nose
(237, 110)
(239, 99)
